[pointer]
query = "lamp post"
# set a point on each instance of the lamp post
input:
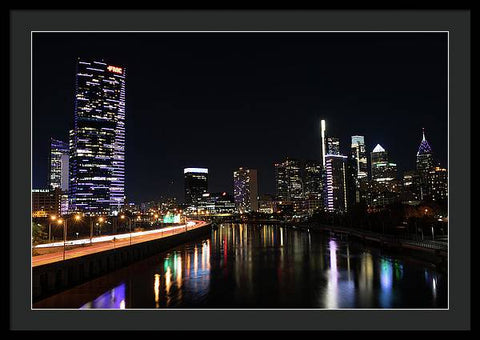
(91, 229)
(100, 220)
(64, 222)
(129, 225)
(52, 218)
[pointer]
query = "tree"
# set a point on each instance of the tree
(38, 233)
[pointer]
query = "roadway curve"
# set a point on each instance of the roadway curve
(103, 243)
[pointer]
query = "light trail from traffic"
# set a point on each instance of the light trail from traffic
(104, 243)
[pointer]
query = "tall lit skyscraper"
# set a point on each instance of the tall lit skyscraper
(97, 144)
(333, 146)
(288, 178)
(313, 180)
(424, 165)
(196, 184)
(359, 154)
(245, 190)
(424, 156)
(58, 165)
(383, 171)
(438, 184)
(335, 187)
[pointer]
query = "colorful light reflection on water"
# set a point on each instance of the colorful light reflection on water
(246, 266)
(113, 299)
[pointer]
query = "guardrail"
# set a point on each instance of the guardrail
(441, 244)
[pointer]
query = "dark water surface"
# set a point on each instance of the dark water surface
(247, 266)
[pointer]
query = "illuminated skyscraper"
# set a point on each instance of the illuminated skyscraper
(97, 141)
(438, 184)
(411, 184)
(288, 180)
(333, 146)
(245, 190)
(335, 187)
(424, 166)
(313, 180)
(58, 165)
(359, 154)
(196, 184)
(382, 170)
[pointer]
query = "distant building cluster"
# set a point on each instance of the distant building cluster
(335, 183)
(87, 173)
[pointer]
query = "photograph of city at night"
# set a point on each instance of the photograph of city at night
(240, 170)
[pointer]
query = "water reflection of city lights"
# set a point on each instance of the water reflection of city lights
(386, 276)
(114, 298)
(168, 278)
(156, 289)
(178, 271)
(195, 261)
(331, 300)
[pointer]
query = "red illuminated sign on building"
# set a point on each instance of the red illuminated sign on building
(115, 69)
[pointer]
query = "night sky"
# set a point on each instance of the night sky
(224, 100)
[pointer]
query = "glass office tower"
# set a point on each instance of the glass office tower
(97, 140)
(196, 184)
(288, 180)
(360, 155)
(58, 165)
(245, 190)
(313, 180)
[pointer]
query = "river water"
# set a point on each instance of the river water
(264, 266)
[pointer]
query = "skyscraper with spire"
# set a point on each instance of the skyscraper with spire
(424, 165)
(424, 156)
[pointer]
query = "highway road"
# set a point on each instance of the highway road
(103, 243)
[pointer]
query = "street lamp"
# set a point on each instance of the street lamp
(129, 225)
(52, 218)
(100, 220)
(60, 221)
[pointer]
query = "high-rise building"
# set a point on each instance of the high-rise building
(313, 180)
(411, 184)
(353, 190)
(333, 146)
(196, 184)
(359, 154)
(288, 179)
(384, 187)
(335, 186)
(424, 165)
(382, 170)
(97, 140)
(438, 184)
(245, 190)
(58, 165)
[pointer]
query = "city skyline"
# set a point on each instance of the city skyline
(167, 177)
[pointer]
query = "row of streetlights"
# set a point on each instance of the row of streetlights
(77, 217)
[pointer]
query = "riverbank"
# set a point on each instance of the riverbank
(429, 251)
